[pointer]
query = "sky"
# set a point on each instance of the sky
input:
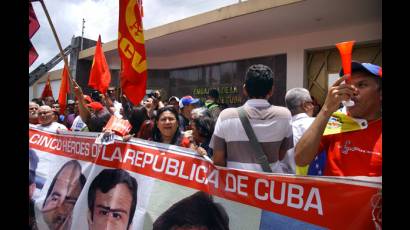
(101, 17)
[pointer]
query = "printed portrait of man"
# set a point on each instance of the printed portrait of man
(112, 200)
(62, 195)
(33, 161)
(196, 212)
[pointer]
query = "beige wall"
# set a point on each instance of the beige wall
(293, 46)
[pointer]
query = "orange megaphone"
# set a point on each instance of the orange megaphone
(345, 50)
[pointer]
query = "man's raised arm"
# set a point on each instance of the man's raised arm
(308, 146)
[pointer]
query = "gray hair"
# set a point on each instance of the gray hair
(294, 99)
(200, 112)
(45, 107)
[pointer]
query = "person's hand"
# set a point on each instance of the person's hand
(201, 151)
(337, 93)
(127, 137)
(78, 92)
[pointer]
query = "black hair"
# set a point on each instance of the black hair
(259, 81)
(82, 178)
(214, 93)
(205, 126)
(97, 121)
(156, 133)
(196, 210)
(107, 180)
(38, 101)
(95, 95)
(136, 117)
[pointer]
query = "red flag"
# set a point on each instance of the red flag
(100, 76)
(132, 51)
(47, 89)
(32, 54)
(33, 26)
(64, 89)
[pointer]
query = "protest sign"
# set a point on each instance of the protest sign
(157, 181)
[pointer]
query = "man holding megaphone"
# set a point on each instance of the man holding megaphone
(352, 140)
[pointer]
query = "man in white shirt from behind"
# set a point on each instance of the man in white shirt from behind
(300, 104)
(46, 120)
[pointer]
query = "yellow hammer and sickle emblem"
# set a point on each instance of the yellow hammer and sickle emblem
(133, 27)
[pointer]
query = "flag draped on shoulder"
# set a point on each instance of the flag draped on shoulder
(47, 91)
(64, 89)
(132, 51)
(100, 76)
(33, 26)
(340, 122)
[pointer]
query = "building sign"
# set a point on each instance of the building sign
(227, 95)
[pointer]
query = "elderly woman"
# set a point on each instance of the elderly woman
(166, 128)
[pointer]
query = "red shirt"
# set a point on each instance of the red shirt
(356, 153)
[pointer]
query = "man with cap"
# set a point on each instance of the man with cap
(186, 105)
(356, 152)
(174, 101)
(96, 119)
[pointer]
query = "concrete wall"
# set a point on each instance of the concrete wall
(294, 46)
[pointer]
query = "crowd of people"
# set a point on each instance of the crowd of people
(290, 138)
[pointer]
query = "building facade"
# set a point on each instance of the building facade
(296, 38)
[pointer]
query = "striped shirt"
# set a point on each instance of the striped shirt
(273, 129)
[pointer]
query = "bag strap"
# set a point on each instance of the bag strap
(260, 155)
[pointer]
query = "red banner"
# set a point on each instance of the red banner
(132, 51)
(335, 203)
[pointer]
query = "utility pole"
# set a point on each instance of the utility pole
(82, 35)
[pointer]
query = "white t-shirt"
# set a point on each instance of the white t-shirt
(78, 124)
(117, 107)
(272, 128)
(300, 123)
(52, 127)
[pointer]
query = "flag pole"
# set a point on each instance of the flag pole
(57, 40)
